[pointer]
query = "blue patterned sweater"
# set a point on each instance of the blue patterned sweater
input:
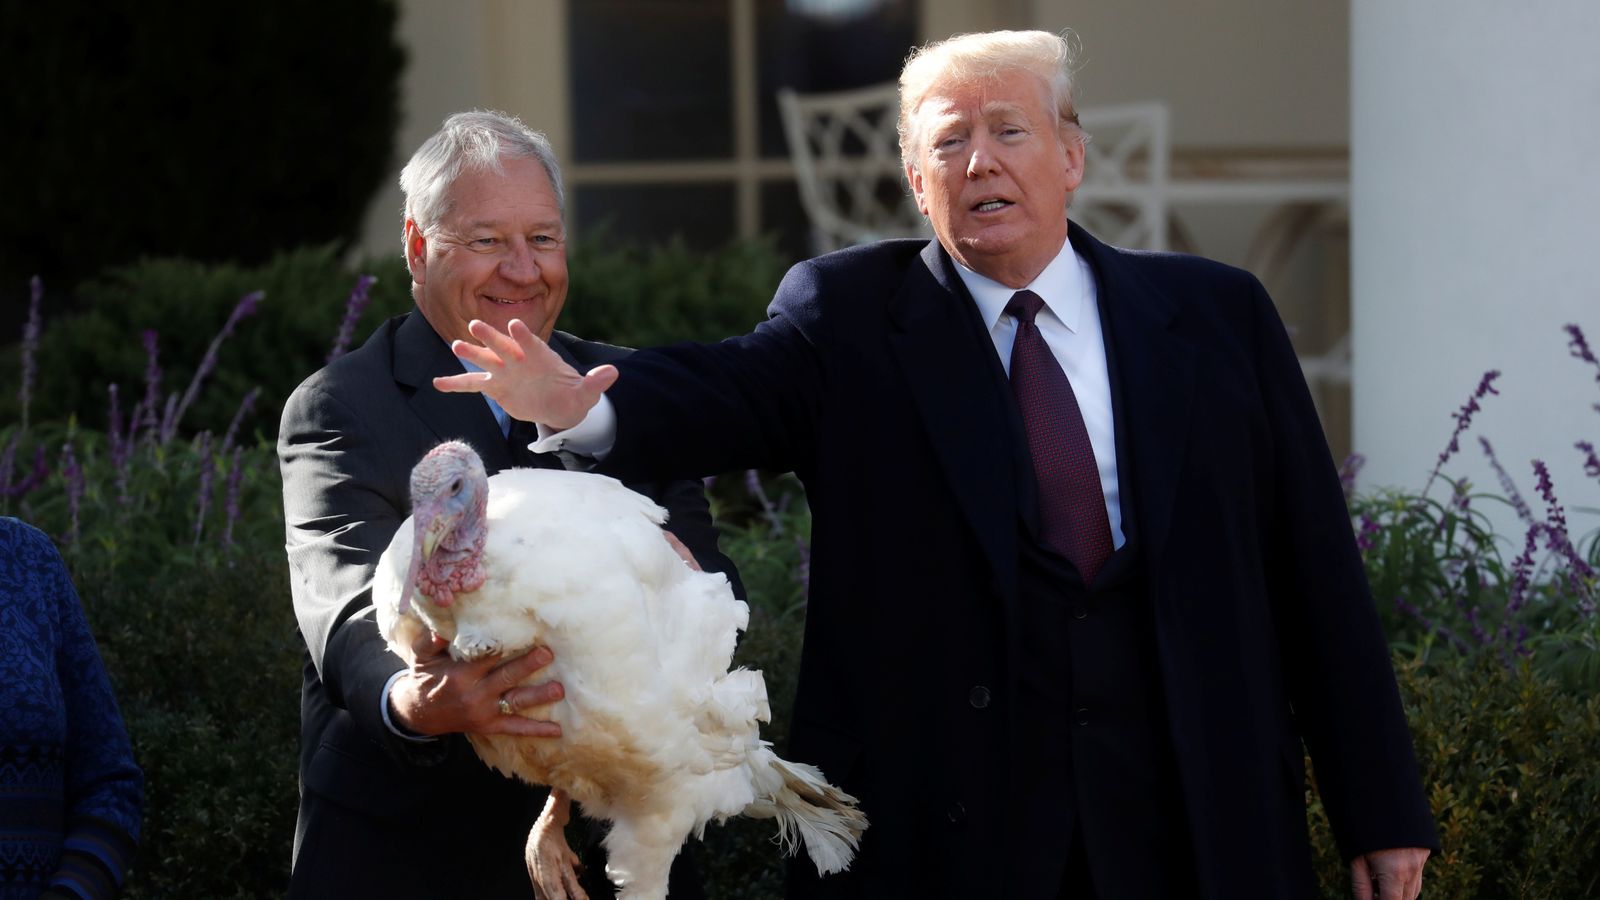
(70, 792)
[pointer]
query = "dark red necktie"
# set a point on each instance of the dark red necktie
(1072, 507)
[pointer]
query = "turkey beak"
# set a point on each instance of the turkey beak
(425, 540)
(438, 527)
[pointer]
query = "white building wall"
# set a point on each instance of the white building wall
(1475, 190)
(1237, 74)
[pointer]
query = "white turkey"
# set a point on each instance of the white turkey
(657, 736)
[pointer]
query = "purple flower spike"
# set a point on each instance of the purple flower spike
(152, 385)
(202, 502)
(245, 307)
(113, 425)
(1463, 417)
(353, 308)
(235, 482)
(72, 474)
(169, 420)
(1579, 348)
(1508, 486)
(245, 406)
(1366, 536)
(1591, 462)
(30, 346)
(1557, 539)
(7, 459)
(36, 477)
(802, 570)
(1522, 572)
(752, 483)
(1348, 472)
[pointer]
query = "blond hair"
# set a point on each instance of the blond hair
(983, 56)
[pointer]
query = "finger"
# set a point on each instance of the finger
(522, 335)
(598, 380)
(428, 645)
(513, 672)
(522, 727)
(1360, 878)
(569, 881)
(533, 696)
(482, 356)
(465, 383)
(506, 345)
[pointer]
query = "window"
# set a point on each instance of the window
(675, 123)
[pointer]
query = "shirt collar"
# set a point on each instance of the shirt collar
(1063, 286)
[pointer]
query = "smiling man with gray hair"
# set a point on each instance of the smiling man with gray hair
(1083, 584)
(393, 802)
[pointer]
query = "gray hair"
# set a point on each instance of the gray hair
(974, 57)
(470, 141)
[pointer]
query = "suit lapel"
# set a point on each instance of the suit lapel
(948, 362)
(419, 355)
(1155, 367)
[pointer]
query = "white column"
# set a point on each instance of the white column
(1475, 186)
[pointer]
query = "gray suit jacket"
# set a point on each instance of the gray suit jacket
(371, 801)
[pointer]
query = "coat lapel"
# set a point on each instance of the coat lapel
(419, 355)
(948, 364)
(1155, 365)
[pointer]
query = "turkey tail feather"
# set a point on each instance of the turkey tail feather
(823, 817)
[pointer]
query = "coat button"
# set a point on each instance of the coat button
(1079, 611)
(978, 697)
(956, 813)
(1083, 715)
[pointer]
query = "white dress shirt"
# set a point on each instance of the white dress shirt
(1069, 322)
(1070, 326)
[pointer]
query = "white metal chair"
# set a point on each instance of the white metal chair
(846, 156)
(1127, 163)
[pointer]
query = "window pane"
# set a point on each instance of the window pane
(783, 218)
(650, 214)
(827, 45)
(650, 79)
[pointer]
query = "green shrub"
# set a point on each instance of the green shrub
(287, 337)
(190, 128)
(1508, 760)
(639, 296)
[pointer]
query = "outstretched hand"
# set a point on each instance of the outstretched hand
(528, 379)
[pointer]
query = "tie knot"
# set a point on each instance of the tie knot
(1024, 305)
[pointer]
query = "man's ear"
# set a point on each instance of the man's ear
(416, 252)
(1073, 152)
(914, 178)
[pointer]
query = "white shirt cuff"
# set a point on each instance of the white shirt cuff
(400, 732)
(593, 437)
